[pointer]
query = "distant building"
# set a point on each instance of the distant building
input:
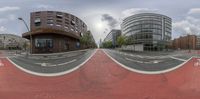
(54, 31)
(100, 43)
(185, 42)
(10, 41)
(112, 36)
(198, 42)
(151, 30)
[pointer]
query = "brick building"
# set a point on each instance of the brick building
(54, 31)
(185, 42)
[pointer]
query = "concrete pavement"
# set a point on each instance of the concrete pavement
(101, 78)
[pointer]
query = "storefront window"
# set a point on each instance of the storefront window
(43, 43)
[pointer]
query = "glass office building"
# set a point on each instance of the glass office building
(151, 30)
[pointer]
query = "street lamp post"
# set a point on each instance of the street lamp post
(29, 33)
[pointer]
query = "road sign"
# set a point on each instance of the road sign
(197, 62)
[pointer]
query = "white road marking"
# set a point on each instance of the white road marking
(53, 74)
(49, 65)
(42, 64)
(68, 62)
(134, 60)
(178, 58)
(150, 62)
(147, 72)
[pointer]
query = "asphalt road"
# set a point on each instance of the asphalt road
(148, 62)
(51, 65)
(101, 78)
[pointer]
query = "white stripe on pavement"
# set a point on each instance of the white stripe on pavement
(150, 62)
(178, 58)
(67, 62)
(147, 72)
(53, 74)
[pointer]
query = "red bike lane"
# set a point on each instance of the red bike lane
(101, 78)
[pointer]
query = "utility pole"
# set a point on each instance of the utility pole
(29, 33)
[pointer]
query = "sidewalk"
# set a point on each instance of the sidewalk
(101, 78)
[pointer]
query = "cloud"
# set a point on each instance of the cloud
(8, 8)
(12, 17)
(189, 25)
(111, 21)
(2, 29)
(43, 6)
(194, 11)
(132, 11)
(2, 20)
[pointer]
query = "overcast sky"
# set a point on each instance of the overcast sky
(103, 15)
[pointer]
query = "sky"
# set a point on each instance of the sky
(103, 15)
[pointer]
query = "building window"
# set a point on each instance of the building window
(59, 15)
(37, 22)
(37, 13)
(72, 22)
(72, 29)
(43, 43)
(59, 21)
(59, 25)
(49, 20)
(72, 17)
(66, 27)
(157, 37)
(50, 12)
(50, 24)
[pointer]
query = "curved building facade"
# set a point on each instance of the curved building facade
(151, 30)
(53, 31)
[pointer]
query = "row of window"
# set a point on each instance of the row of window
(147, 21)
(49, 21)
(41, 43)
(142, 21)
(148, 16)
(147, 25)
(140, 27)
(58, 23)
(48, 43)
(59, 15)
(147, 36)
